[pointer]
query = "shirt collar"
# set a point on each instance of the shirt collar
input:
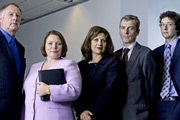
(131, 46)
(7, 35)
(172, 43)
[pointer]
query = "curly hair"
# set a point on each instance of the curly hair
(173, 16)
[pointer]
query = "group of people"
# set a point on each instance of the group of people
(133, 83)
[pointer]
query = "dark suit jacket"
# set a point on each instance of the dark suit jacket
(174, 67)
(139, 84)
(10, 82)
(99, 91)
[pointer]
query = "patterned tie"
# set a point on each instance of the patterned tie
(125, 56)
(166, 75)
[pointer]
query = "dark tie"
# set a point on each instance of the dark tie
(16, 56)
(125, 56)
(166, 75)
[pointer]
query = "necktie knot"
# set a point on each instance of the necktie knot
(168, 46)
(126, 50)
(125, 56)
(12, 41)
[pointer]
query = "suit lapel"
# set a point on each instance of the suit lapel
(21, 54)
(118, 53)
(176, 54)
(133, 57)
(161, 50)
(5, 48)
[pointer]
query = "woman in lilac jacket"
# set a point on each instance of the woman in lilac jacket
(61, 96)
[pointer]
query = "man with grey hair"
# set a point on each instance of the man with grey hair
(12, 63)
(138, 71)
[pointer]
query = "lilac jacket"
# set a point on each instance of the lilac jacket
(62, 96)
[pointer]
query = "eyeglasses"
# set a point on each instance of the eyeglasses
(166, 25)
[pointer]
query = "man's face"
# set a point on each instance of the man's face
(128, 31)
(168, 29)
(10, 19)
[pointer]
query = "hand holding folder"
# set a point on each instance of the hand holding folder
(51, 77)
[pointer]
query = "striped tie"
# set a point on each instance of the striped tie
(166, 75)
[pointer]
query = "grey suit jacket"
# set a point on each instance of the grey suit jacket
(138, 84)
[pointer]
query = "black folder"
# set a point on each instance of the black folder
(51, 77)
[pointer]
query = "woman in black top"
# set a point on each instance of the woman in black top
(99, 70)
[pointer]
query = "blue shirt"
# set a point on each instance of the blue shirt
(172, 91)
(7, 36)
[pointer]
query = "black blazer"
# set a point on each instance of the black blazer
(99, 92)
(10, 82)
(139, 84)
(174, 67)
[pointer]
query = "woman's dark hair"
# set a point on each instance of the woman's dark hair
(93, 32)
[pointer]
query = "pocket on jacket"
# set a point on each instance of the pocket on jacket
(141, 107)
(141, 111)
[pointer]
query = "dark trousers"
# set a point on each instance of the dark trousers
(169, 110)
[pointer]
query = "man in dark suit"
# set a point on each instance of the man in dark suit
(138, 83)
(12, 63)
(169, 69)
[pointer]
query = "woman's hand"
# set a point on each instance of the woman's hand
(86, 115)
(42, 88)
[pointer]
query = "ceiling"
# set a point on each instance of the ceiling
(33, 9)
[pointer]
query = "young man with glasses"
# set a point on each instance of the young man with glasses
(168, 61)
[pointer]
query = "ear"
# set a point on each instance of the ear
(138, 31)
(177, 31)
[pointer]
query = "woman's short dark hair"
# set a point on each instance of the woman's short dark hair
(54, 32)
(173, 16)
(93, 32)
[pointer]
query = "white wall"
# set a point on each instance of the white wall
(155, 8)
(140, 9)
(74, 24)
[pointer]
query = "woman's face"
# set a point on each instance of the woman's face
(98, 44)
(53, 47)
